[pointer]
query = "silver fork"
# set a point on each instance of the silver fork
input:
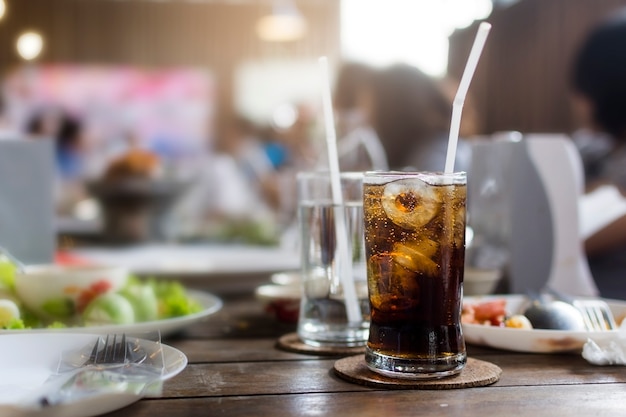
(111, 352)
(596, 314)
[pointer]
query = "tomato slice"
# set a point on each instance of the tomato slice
(491, 311)
(64, 258)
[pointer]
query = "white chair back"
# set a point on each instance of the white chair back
(523, 201)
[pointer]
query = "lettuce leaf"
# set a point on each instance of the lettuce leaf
(172, 299)
(15, 324)
(7, 274)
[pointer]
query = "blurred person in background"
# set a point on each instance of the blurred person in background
(403, 110)
(353, 82)
(300, 152)
(358, 145)
(298, 140)
(599, 84)
(410, 111)
(228, 201)
(57, 125)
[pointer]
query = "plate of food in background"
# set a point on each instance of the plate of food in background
(498, 321)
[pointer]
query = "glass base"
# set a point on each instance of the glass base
(316, 334)
(404, 368)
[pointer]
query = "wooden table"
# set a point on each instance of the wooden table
(236, 370)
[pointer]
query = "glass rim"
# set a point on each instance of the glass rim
(413, 173)
(430, 177)
(324, 174)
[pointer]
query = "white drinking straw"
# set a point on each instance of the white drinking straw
(459, 99)
(345, 257)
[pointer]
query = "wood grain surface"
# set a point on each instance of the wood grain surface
(235, 370)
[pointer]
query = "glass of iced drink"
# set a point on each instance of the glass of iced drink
(415, 250)
(324, 318)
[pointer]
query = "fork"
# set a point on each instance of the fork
(111, 352)
(597, 314)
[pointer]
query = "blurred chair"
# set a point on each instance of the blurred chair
(27, 188)
(524, 210)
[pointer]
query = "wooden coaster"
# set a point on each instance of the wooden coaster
(292, 343)
(476, 373)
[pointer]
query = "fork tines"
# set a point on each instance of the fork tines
(111, 351)
(596, 314)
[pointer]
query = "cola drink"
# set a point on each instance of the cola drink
(415, 252)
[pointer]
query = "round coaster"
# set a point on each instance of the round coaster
(476, 373)
(292, 343)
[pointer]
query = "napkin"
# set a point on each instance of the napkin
(600, 208)
(611, 351)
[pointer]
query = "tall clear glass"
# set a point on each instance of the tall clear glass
(415, 250)
(324, 319)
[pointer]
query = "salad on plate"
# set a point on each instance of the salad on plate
(59, 297)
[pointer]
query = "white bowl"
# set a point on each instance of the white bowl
(281, 300)
(48, 289)
(480, 281)
(286, 278)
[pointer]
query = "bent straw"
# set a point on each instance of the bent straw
(345, 258)
(459, 99)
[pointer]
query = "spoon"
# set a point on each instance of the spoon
(553, 315)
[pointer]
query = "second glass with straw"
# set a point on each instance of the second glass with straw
(334, 310)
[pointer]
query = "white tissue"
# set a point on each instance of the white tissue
(611, 351)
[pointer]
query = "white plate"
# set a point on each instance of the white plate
(536, 340)
(273, 292)
(27, 360)
(282, 300)
(209, 302)
(194, 260)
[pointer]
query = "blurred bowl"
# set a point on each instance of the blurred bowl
(286, 278)
(283, 301)
(57, 292)
(136, 209)
(480, 281)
